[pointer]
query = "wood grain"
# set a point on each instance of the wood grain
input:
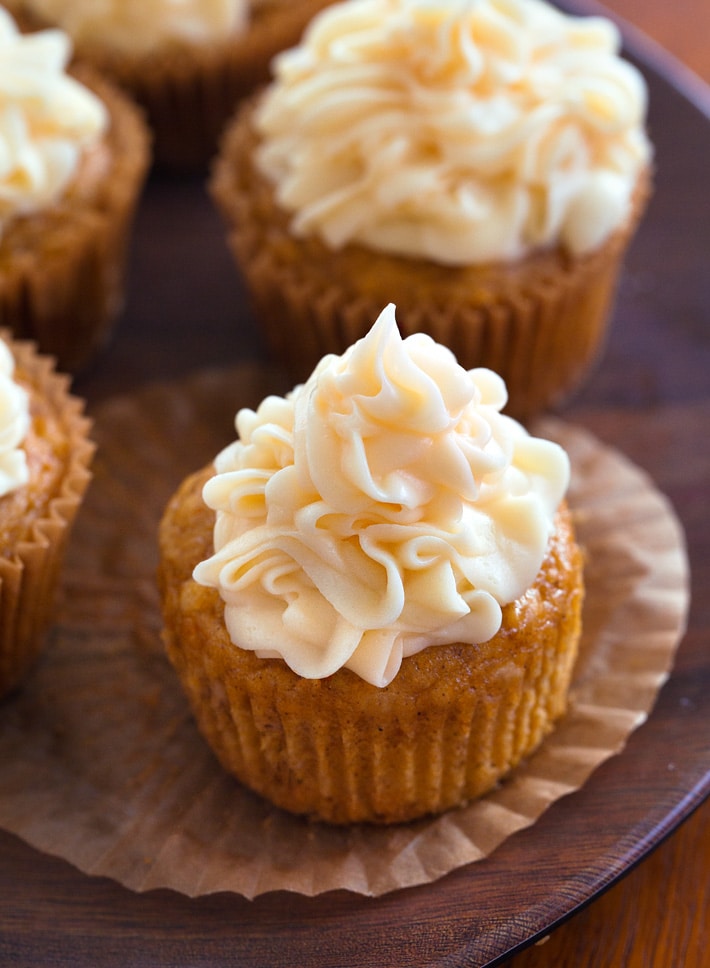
(651, 399)
(657, 917)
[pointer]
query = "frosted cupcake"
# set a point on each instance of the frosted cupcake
(45, 454)
(373, 596)
(482, 164)
(187, 62)
(74, 156)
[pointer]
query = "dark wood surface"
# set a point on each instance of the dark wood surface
(651, 399)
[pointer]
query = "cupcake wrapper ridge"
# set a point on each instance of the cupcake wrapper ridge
(541, 323)
(29, 574)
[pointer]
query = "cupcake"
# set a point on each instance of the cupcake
(483, 165)
(372, 597)
(75, 152)
(45, 455)
(186, 62)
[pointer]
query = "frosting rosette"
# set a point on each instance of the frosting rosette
(384, 506)
(144, 24)
(47, 119)
(462, 131)
(14, 424)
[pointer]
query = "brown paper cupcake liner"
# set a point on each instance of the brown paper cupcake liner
(189, 92)
(348, 775)
(62, 271)
(540, 323)
(29, 573)
(133, 792)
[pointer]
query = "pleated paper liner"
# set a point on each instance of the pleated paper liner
(454, 720)
(540, 323)
(35, 522)
(102, 763)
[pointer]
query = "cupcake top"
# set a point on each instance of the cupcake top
(459, 131)
(143, 25)
(383, 507)
(14, 424)
(48, 120)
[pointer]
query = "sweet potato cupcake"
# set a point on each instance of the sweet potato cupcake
(187, 63)
(45, 457)
(483, 165)
(75, 153)
(373, 597)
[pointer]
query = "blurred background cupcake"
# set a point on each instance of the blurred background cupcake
(187, 62)
(45, 455)
(74, 152)
(481, 165)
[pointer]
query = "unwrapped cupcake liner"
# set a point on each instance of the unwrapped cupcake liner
(63, 270)
(133, 792)
(29, 573)
(541, 323)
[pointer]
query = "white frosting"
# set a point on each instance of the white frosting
(461, 132)
(47, 120)
(14, 424)
(384, 506)
(141, 25)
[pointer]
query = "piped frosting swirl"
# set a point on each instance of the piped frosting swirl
(383, 507)
(460, 131)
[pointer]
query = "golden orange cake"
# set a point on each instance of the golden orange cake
(373, 596)
(482, 165)
(186, 64)
(77, 152)
(45, 455)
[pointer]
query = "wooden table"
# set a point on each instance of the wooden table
(651, 400)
